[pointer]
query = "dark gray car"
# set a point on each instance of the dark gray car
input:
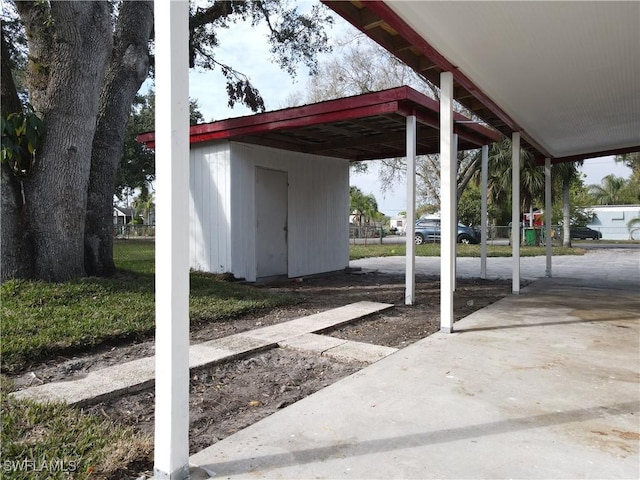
(428, 230)
(584, 233)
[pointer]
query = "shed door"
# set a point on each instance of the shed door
(271, 222)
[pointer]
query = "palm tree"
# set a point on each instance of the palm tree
(144, 204)
(611, 191)
(363, 207)
(565, 173)
(499, 181)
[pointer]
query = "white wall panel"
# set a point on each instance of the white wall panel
(209, 209)
(318, 209)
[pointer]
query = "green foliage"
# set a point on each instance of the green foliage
(137, 167)
(22, 135)
(631, 160)
(143, 204)
(500, 184)
(358, 167)
(615, 190)
(579, 200)
(469, 206)
(426, 209)
(363, 207)
(41, 319)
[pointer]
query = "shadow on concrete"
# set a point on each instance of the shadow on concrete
(355, 448)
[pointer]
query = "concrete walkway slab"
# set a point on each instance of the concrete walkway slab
(543, 385)
(344, 350)
(319, 321)
(139, 374)
(95, 386)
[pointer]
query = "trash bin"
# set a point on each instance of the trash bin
(530, 236)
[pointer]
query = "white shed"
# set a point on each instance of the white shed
(269, 193)
(262, 212)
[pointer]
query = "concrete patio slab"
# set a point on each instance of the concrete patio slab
(544, 384)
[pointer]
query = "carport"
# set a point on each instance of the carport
(560, 78)
(278, 208)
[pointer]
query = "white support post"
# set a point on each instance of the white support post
(547, 214)
(515, 210)
(171, 455)
(447, 202)
(454, 225)
(483, 211)
(410, 275)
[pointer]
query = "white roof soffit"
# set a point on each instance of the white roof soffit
(568, 73)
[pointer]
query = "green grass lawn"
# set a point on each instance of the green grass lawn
(55, 441)
(433, 250)
(42, 319)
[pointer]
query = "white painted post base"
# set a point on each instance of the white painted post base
(181, 473)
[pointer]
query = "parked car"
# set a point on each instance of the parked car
(428, 230)
(583, 233)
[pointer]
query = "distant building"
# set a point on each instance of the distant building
(399, 223)
(122, 216)
(612, 220)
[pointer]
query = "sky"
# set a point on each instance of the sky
(245, 48)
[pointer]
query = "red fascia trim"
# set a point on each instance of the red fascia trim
(148, 138)
(337, 105)
(474, 128)
(309, 120)
(389, 16)
(396, 100)
(376, 103)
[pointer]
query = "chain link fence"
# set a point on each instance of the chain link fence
(367, 234)
(134, 231)
(497, 234)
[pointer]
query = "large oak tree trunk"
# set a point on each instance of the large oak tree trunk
(128, 68)
(68, 55)
(15, 246)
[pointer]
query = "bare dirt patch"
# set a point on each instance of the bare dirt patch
(227, 397)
